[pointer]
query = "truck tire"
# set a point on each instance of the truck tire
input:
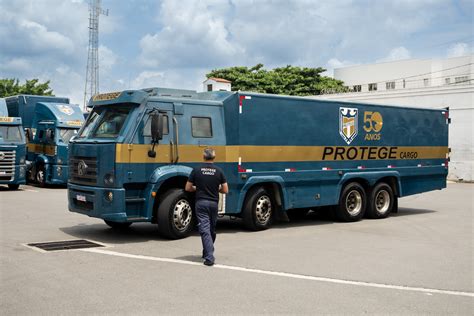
(118, 225)
(40, 176)
(381, 200)
(175, 214)
(352, 203)
(259, 209)
(13, 186)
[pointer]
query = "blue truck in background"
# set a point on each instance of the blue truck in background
(131, 159)
(12, 149)
(49, 123)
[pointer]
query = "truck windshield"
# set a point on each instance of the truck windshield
(105, 122)
(66, 134)
(11, 134)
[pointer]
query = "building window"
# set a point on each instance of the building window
(209, 87)
(357, 88)
(201, 127)
(447, 80)
(372, 87)
(461, 79)
(404, 83)
(390, 85)
(426, 82)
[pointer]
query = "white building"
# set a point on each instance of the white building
(425, 83)
(216, 84)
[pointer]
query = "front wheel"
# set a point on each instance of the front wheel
(258, 210)
(41, 176)
(13, 186)
(352, 203)
(175, 214)
(381, 200)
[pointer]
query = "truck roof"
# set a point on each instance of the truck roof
(65, 115)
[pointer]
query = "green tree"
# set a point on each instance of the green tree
(9, 87)
(289, 80)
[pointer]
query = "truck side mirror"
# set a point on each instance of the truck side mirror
(29, 135)
(50, 135)
(156, 127)
(156, 132)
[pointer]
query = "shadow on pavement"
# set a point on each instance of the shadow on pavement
(143, 232)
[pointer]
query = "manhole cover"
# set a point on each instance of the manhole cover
(65, 245)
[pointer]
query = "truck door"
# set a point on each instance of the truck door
(165, 149)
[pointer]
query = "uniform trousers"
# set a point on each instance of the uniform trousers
(206, 213)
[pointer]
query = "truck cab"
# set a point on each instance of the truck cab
(50, 123)
(12, 149)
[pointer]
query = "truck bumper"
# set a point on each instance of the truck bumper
(17, 178)
(104, 203)
(58, 174)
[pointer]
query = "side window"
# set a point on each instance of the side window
(201, 127)
(147, 128)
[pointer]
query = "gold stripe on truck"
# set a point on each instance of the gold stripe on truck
(138, 153)
(49, 150)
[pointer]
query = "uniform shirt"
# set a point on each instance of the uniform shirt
(207, 179)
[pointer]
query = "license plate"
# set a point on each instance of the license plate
(81, 198)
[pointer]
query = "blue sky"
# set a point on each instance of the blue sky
(174, 43)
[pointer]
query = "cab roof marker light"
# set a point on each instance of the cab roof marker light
(360, 167)
(420, 165)
(326, 168)
(290, 170)
(390, 166)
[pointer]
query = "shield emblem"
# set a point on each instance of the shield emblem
(348, 127)
(66, 109)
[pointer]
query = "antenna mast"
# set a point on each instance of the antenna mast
(92, 72)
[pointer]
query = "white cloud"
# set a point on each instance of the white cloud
(107, 58)
(397, 53)
(459, 49)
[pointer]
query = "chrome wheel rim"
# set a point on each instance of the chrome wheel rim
(40, 176)
(182, 215)
(354, 203)
(382, 201)
(263, 209)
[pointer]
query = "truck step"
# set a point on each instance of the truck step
(134, 200)
(137, 219)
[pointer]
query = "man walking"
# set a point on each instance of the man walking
(207, 181)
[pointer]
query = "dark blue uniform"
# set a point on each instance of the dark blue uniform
(207, 178)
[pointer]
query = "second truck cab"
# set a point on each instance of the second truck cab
(49, 123)
(12, 149)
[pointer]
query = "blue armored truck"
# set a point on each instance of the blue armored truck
(131, 159)
(49, 122)
(12, 149)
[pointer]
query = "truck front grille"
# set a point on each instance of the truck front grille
(83, 170)
(7, 165)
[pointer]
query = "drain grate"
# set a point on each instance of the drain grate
(65, 245)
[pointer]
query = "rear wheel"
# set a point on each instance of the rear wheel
(13, 186)
(118, 225)
(352, 203)
(259, 209)
(175, 214)
(381, 200)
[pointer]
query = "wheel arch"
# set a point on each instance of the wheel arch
(274, 184)
(369, 179)
(164, 179)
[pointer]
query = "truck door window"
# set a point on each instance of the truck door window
(201, 127)
(91, 120)
(147, 128)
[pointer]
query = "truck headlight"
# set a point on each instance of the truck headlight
(22, 160)
(109, 196)
(109, 179)
(60, 161)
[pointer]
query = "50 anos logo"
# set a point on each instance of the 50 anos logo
(373, 123)
(348, 124)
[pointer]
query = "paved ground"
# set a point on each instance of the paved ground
(419, 261)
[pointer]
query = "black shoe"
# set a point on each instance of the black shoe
(208, 263)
